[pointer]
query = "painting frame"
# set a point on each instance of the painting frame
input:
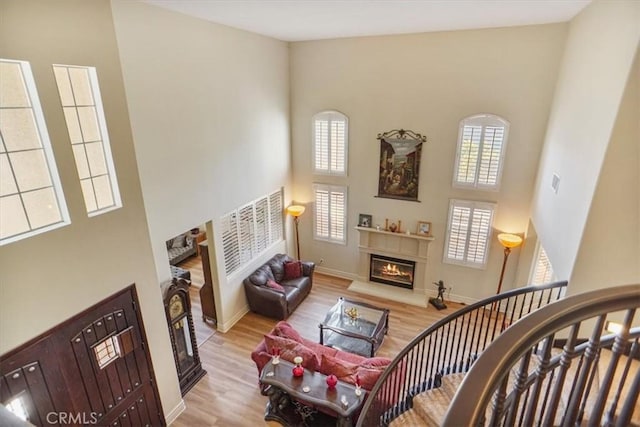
(423, 229)
(365, 220)
(399, 163)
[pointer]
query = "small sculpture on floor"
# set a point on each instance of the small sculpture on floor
(438, 302)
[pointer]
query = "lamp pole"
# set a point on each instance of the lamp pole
(507, 251)
(509, 241)
(296, 220)
(295, 211)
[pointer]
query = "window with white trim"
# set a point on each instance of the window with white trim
(330, 213)
(31, 197)
(482, 141)
(82, 105)
(330, 140)
(542, 271)
(250, 230)
(468, 233)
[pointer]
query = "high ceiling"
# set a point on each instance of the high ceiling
(298, 20)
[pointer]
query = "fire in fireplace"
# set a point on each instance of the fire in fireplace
(392, 271)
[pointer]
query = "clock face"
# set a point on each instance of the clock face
(176, 307)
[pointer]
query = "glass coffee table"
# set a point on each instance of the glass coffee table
(355, 327)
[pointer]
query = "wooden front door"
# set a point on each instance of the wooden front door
(92, 369)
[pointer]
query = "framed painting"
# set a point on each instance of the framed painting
(399, 176)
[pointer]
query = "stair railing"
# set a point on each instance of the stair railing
(593, 380)
(450, 345)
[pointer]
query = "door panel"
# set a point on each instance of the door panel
(92, 368)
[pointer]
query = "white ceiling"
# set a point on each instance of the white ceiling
(297, 20)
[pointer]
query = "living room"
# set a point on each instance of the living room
(230, 111)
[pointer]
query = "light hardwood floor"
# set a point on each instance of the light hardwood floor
(228, 395)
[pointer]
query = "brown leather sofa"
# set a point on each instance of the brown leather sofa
(273, 303)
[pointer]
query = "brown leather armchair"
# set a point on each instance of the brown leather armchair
(270, 302)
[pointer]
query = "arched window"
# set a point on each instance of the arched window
(482, 141)
(330, 140)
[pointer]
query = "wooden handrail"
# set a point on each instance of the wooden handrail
(450, 345)
(491, 370)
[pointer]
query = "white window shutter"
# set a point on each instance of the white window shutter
(468, 233)
(330, 140)
(275, 217)
(230, 242)
(245, 228)
(543, 270)
(330, 208)
(262, 224)
(481, 150)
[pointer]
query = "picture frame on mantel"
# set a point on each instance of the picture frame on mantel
(424, 229)
(400, 152)
(365, 220)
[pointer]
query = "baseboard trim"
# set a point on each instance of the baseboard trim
(175, 412)
(226, 326)
(336, 273)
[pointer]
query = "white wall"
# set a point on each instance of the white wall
(426, 83)
(609, 253)
(48, 278)
(601, 45)
(209, 109)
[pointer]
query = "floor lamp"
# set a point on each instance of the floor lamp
(295, 211)
(509, 241)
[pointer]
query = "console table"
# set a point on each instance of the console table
(290, 404)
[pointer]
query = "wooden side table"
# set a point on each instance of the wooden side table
(293, 400)
(198, 238)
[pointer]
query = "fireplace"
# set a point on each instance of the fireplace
(392, 271)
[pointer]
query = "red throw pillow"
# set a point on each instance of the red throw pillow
(292, 270)
(290, 349)
(274, 285)
(346, 371)
(285, 330)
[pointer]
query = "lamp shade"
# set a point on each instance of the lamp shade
(509, 240)
(295, 210)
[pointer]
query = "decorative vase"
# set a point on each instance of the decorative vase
(298, 371)
(332, 380)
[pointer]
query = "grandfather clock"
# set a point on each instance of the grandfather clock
(177, 307)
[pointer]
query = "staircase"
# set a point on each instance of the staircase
(557, 366)
(447, 348)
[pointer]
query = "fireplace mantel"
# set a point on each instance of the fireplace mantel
(412, 247)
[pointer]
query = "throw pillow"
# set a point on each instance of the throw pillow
(290, 349)
(285, 330)
(292, 270)
(347, 372)
(275, 285)
(179, 242)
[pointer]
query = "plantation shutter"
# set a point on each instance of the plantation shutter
(322, 213)
(262, 224)
(491, 155)
(275, 217)
(330, 220)
(246, 233)
(230, 244)
(468, 162)
(322, 145)
(337, 216)
(330, 143)
(338, 146)
(468, 233)
(543, 271)
(480, 154)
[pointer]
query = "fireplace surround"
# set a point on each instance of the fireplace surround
(405, 247)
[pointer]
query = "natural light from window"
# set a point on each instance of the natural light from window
(86, 124)
(31, 198)
(330, 140)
